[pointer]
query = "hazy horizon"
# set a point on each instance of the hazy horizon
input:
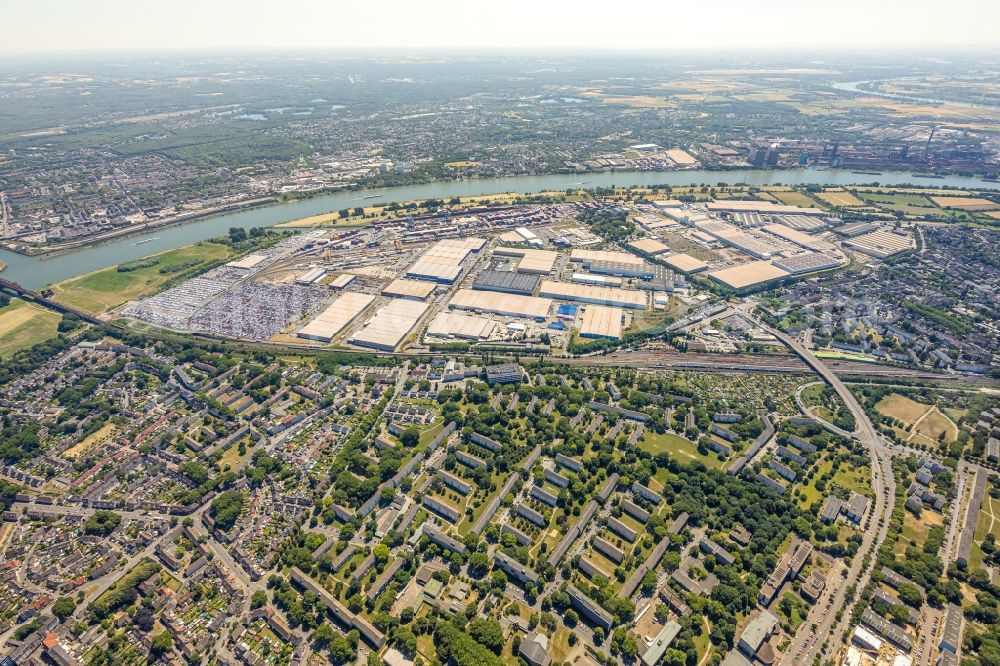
(61, 26)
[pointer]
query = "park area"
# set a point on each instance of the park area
(108, 288)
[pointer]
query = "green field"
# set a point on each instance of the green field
(108, 288)
(679, 447)
(24, 324)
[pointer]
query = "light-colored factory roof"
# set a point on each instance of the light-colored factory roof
(514, 305)
(648, 246)
(600, 321)
(532, 261)
(331, 321)
(391, 324)
(685, 263)
(797, 237)
(739, 206)
(589, 294)
(443, 260)
(591, 278)
(881, 243)
(248, 261)
(404, 288)
(454, 324)
(311, 275)
(605, 255)
(807, 262)
(342, 280)
(748, 274)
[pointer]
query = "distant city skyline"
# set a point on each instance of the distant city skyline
(44, 26)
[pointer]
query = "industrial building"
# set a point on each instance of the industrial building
(586, 257)
(538, 262)
(311, 276)
(648, 246)
(597, 295)
(602, 322)
(341, 312)
(749, 274)
(455, 325)
(881, 243)
(599, 280)
(510, 305)
(412, 289)
(390, 325)
(342, 281)
(807, 262)
(506, 282)
(741, 240)
(764, 207)
(797, 237)
(685, 263)
(442, 262)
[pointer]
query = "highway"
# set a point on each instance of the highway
(823, 641)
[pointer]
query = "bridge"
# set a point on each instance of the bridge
(29, 295)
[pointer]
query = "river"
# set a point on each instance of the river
(855, 86)
(38, 272)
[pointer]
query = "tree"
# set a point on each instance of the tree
(161, 644)
(479, 563)
(410, 437)
(63, 608)
(341, 650)
(225, 508)
(258, 599)
(323, 635)
(488, 632)
(102, 523)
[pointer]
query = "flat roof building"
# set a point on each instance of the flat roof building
(342, 280)
(412, 289)
(538, 262)
(506, 282)
(390, 325)
(585, 257)
(767, 207)
(342, 311)
(597, 295)
(685, 263)
(600, 321)
(807, 262)
(511, 305)
(649, 246)
(749, 274)
(799, 238)
(456, 325)
(658, 648)
(442, 262)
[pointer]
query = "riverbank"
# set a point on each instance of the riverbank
(38, 272)
(56, 249)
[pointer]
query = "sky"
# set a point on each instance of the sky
(44, 26)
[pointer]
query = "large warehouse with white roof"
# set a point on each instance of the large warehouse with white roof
(599, 295)
(512, 305)
(390, 325)
(341, 312)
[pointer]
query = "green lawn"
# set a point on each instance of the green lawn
(680, 447)
(108, 288)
